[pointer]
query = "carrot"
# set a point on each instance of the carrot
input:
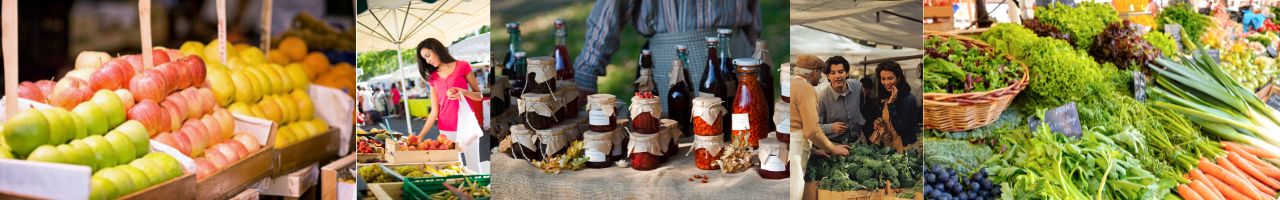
(1255, 151)
(1264, 166)
(1187, 193)
(1256, 186)
(1196, 174)
(1251, 170)
(1226, 191)
(1227, 177)
(1204, 191)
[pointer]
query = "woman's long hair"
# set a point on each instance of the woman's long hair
(426, 69)
(903, 87)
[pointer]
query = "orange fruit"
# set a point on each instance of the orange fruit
(316, 64)
(278, 57)
(293, 48)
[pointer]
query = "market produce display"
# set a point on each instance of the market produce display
(144, 172)
(1197, 87)
(1122, 46)
(946, 183)
(955, 66)
(414, 143)
(469, 187)
(1246, 65)
(1082, 23)
(1193, 24)
(868, 167)
(1059, 73)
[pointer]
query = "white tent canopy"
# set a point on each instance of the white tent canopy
(411, 21)
(473, 49)
(893, 22)
(805, 40)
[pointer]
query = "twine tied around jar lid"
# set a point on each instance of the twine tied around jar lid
(537, 103)
(713, 144)
(708, 109)
(543, 68)
(644, 143)
(643, 105)
(782, 117)
(523, 137)
(772, 148)
(604, 102)
(597, 141)
(554, 138)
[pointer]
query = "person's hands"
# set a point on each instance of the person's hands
(821, 153)
(893, 93)
(454, 93)
(839, 128)
(840, 150)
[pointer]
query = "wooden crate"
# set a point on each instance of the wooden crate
(248, 194)
(294, 184)
(181, 184)
(945, 25)
(386, 191)
(938, 11)
(394, 156)
(368, 157)
(310, 151)
(240, 175)
(862, 195)
(329, 176)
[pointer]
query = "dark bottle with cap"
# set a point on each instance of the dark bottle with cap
(680, 97)
(564, 64)
(511, 69)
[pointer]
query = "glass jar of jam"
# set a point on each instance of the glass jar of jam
(670, 134)
(600, 115)
(620, 141)
(553, 141)
(645, 114)
(537, 111)
(706, 150)
(567, 95)
(541, 78)
(523, 144)
(784, 79)
(782, 120)
(773, 160)
(750, 118)
(706, 116)
(645, 151)
(597, 146)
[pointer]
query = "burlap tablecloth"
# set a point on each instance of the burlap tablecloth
(517, 179)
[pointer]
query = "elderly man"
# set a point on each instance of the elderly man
(804, 118)
(841, 113)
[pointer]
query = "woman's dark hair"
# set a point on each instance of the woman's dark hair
(835, 60)
(426, 69)
(891, 66)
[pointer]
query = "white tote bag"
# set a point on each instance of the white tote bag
(469, 133)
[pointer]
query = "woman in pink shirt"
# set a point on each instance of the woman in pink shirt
(451, 81)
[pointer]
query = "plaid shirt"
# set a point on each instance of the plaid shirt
(652, 17)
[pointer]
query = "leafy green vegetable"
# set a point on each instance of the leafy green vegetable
(956, 154)
(1161, 41)
(1059, 73)
(1046, 165)
(867, 168)
(955, 66)
(1083, 22)
(1193, 24)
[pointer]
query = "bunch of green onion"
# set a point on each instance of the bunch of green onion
(1196, 86)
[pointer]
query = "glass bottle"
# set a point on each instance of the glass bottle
(750, 118)
(765, 72)
(726, 53)
(644, 80)
(680, 97)
(513, 70)
(711, 85)
(564, 64)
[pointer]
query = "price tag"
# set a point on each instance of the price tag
(1139, 86)
(773, 164)
(741, 122)
(1063, 119)
(222, 30)
(785, 125)
(786, 89)
(595, 155)
(1274, 102)
(598, 118)
(1175, 31)
(9, 44)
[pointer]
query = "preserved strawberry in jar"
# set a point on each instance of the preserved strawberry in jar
(706, 150)
(645, 151)
(707, 116)
(750, 118)
(645, 114)
(600, 112)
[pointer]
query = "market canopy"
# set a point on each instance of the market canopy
(809, 41)
(382, 24)
(473, 49)
(893, 22)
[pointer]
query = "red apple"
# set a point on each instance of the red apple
(28, 90)
(46, 86)
(229, 152)
(239, 148)
(195, 67)
(182, 103)
(217, 158)
(249, 142)
(204, 168)
(166, 139)
(152, 116)
(225, 120)
(159, 56)
(198, 142)
(195, 108)
(176, 78)
(70, 92)
(206, 96)
(149, 85)
(198, 127)
(211, 125)
(184, 143)
(115, 74)
(126, 97)
(174, 54)
(135, 61)
(176, 115)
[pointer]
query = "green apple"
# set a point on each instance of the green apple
(94, 119)
(58, 129)
(138, 135)
(124, 184)
(103, 153)
(90, 158)
(123, 147)
(26, 131)
(166, 162)
(5, 154)
(140, 179)
(299, 77)
(305, 109)
(244, 86)
(76, 156)
(110, 103)
(80, 129)
(151, 169)
(47, 153)
(224, 90)
(101, 189)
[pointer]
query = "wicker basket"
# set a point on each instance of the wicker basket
(966, 111)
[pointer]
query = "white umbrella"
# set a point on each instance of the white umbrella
(390, 24)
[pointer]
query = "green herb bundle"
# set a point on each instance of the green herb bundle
(955, 66)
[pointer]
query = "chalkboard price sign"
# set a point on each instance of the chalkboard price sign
(1064, 119)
